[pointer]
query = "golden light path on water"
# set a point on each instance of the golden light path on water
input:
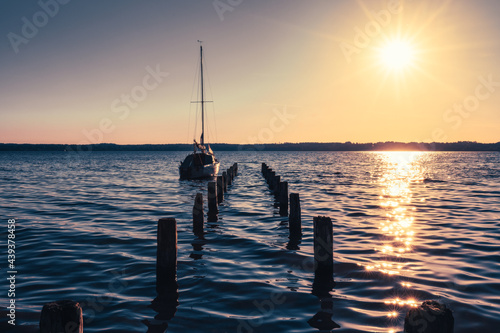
(399, 171)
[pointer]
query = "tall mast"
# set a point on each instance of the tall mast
(202, 98)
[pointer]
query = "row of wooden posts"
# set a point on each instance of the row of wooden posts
(60, 316)
(63, 315)
(215, 196)
(280, 190)
(323, 227)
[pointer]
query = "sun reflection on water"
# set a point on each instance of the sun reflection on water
(399, 171)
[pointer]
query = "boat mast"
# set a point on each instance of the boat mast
(202, 97)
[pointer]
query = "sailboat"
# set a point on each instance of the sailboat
(202, 162)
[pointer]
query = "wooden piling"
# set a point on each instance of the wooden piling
(198, 215)
(323, 246)
(429, 317)
(166, 255)
(220, 189)
(263, 167)
(270, 176)
(212, 198)
(267, 172)
(225, 180)
(283, 198)
(276, 185)
(61, 316)
(235, 165)
(295, 220)
(229, 180)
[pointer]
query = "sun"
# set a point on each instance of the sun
(397, 54)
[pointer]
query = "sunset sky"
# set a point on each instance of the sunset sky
(279, 71)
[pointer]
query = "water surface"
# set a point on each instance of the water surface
(407, 227)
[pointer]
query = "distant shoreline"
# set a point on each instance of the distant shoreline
(305, 146)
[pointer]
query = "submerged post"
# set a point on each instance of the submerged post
(61, 316)
(323, 246)
(283, 198)
(198, 215)
(225, 180)
(295, 222)
(212, 198)
(166, 255)
(429, 317)
(220, 189)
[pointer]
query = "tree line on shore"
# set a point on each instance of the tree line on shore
(304, 146)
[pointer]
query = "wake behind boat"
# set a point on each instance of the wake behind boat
(202, 162)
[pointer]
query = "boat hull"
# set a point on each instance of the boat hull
(199, 172)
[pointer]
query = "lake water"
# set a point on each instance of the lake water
(408, 227)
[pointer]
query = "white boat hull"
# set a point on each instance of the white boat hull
(199, 172)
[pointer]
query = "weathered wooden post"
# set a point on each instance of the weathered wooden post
(267, 171)
(61, 316)
(212, 198)
(429, 317)
(295, 220)
(166, 256)
(270, 177)
(283, 198)
(263, 168)
(276, 185)
(225, 180)
(323, 246)
(198, 215)
(220, 189)
(229, 178)
(235, 165)
(231, 172)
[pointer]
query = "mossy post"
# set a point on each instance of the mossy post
(429, 317)
(61, 316)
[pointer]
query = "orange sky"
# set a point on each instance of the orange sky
(281, 71)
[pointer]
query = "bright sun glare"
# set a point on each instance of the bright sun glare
(397, 54)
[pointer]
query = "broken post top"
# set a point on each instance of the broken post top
(199, 199)
(167, 220)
